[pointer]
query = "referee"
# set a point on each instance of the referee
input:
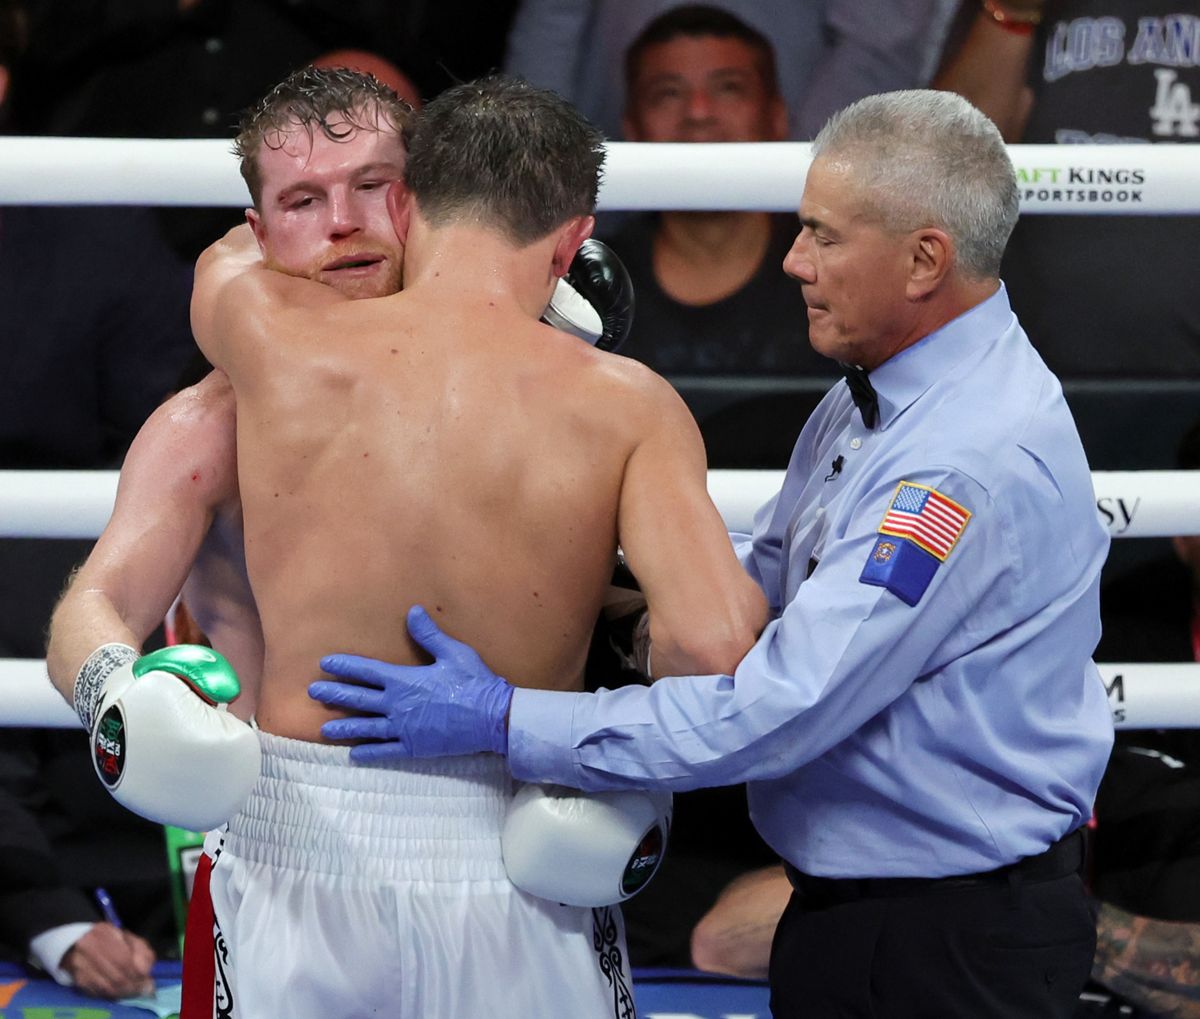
(921, 724)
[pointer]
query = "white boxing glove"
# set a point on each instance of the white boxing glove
(571, 312)
(584, 849)
(160, 743)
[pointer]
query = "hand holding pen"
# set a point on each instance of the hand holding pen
(109, 961)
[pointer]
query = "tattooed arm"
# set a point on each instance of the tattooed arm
(1154, 964)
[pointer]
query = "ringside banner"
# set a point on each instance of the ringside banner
(1152, 696)
(1099, 179)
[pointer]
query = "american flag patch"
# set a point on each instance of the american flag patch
(925, 517)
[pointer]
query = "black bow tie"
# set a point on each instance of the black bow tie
(865, 397)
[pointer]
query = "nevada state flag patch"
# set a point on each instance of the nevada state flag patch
(919, 530)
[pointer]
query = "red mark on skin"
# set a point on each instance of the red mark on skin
(535, 594)
(196, 476)
(365, 455)
(438, 608)
(395, 351)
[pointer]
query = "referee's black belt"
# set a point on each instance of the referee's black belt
(1063, 858)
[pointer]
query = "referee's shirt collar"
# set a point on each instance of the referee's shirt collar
(901, 380)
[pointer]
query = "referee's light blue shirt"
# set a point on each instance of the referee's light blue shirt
(882, 738)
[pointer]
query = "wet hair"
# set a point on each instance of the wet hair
(698, 21)
(926, 158)
(516, 158)
(308, 99)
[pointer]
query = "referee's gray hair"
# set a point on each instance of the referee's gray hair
(929, 158)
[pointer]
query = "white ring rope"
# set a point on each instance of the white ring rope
(1141, 696)
(77, 504)
(30, 700)
(56, 504)
(1091, 179)
(1133, 504)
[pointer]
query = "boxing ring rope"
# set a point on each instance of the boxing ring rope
(1132, 504)
(77, 504)
(769, 176)
(1081, 179)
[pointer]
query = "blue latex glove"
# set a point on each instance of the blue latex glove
(457, 705)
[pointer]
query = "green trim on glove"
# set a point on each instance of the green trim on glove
(209, 674)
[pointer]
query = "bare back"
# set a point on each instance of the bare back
(441, 447)
(465, 462)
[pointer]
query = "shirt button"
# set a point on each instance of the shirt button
(210, 116)
(213, 45)
(856, 443)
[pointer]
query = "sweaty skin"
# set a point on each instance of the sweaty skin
(177, 510)
(442, 447)
(323, 215)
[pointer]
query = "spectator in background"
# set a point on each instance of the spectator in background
(61, 837)
(710, 295)
(734, 937)
(366, 62)
(831, 52)
(710, 298)
(1102, 295)
(95, 313)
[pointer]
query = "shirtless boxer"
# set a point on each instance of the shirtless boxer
(178, 513)
(177, 521)
(439, 446)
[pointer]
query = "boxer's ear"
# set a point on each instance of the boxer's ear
(258, 228)
(573, 233)
(399, 203)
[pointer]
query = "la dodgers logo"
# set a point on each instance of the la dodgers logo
(1173, 113)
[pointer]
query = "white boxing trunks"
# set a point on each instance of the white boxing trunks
(349, 891)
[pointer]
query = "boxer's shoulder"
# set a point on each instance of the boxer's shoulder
(623, 377)
(208, 403)
(642, 393)
(189, 443)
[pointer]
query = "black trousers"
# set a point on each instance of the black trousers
(1012, 944)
